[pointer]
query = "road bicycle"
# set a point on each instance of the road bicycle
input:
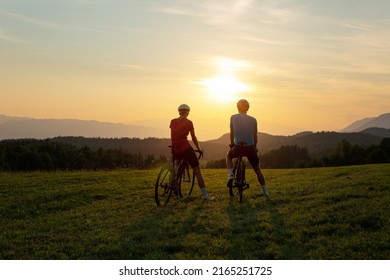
(238, 184)
(174, 179)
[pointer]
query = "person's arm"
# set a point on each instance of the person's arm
(194, 139)
(231, 133)
(255, 135)
(231, 137)
(255, 138)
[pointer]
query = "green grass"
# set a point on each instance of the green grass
(321, 213)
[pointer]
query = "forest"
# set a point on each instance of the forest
(344, 154)
(51, 155)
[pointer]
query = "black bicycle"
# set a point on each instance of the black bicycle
(239, 183)
(174, 179)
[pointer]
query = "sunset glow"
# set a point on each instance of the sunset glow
(224, 88)
(303, 65)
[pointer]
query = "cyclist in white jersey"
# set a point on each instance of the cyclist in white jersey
(243, 128)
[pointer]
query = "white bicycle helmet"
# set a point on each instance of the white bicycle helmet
(183, 107)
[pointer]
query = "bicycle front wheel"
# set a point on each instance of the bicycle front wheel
(185, 182)
(163, 191)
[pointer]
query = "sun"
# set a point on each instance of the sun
(224, 88)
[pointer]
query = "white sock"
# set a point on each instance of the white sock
(231, 172)
(264, 187)
(204, 192)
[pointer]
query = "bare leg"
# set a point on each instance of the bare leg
(199, 177)
(201, 183)
(229, 166)
(261, 179)
(229, 162)
(260, 176)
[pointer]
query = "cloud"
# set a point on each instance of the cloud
(179, 11)
(30, 20)
(142, 72)
(280, 12)
(229, 65)
(269, 41)
(146, 68)
(51, 25)
(6, 37)
(365, 34)
(212, 11)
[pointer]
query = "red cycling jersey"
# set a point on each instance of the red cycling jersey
(180, 129)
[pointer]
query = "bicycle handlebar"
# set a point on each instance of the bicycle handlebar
(239, 144)
(200, 153)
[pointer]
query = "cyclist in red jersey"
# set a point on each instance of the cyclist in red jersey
(181, 147)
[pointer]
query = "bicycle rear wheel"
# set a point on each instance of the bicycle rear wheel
(240, 179)
(236, 190)
(163, 191)
(232, 182)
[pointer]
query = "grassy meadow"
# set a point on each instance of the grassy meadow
(319, 213)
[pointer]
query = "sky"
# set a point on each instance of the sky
(302, 64)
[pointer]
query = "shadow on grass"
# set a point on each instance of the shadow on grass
(258, 231)
(163, 233)
(248, 240)
(289, 250)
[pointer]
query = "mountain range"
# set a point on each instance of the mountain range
(22, 127)
(136, 139)
(382, 121)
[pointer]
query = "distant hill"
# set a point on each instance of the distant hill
(378, 131)
(16, 127)
(136, 139)
(318, 144)
(382, 121)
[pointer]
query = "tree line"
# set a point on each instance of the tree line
(293, 156)
(48, 155)
(33, 154)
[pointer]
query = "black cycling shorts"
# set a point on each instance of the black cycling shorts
(247, 151)
(189, 155)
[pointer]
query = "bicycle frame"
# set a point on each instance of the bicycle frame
(182, 174)
(239, 181)
(170, 180)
